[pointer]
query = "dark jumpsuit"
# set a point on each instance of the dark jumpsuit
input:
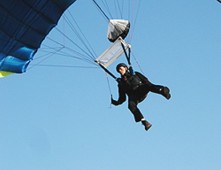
(136, 87)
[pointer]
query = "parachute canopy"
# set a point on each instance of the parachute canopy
(117, 28)
(23, 26)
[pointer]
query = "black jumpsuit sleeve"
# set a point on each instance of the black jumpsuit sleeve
(121, 98)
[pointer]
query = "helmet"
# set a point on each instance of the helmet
(120, 65)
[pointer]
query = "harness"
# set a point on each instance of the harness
(132, 81)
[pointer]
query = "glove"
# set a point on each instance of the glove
(112, 100)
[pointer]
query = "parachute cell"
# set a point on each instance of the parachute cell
(23, 26)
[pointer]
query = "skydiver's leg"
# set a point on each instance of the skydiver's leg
(165, 91)
(132, 106)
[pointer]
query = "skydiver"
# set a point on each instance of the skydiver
(136, 86)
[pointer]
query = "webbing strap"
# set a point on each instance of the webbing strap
(107, 71)
(127, 55)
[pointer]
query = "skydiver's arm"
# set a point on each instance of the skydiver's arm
(122, 97)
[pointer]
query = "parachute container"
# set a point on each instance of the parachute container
(112, 53)
(117, 28)
(23, 26)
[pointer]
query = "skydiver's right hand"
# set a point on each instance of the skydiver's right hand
(114, 102)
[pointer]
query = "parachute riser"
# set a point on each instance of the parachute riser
(106, 70)
(127, 55)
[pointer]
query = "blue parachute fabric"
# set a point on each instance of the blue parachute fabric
(24, 24)
(19, 59)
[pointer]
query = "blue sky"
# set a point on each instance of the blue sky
(55, 118)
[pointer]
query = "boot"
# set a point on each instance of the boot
(166, 93)
(146, 124)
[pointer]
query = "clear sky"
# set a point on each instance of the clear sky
(60, 118)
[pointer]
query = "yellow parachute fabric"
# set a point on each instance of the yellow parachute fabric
(4, 73)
